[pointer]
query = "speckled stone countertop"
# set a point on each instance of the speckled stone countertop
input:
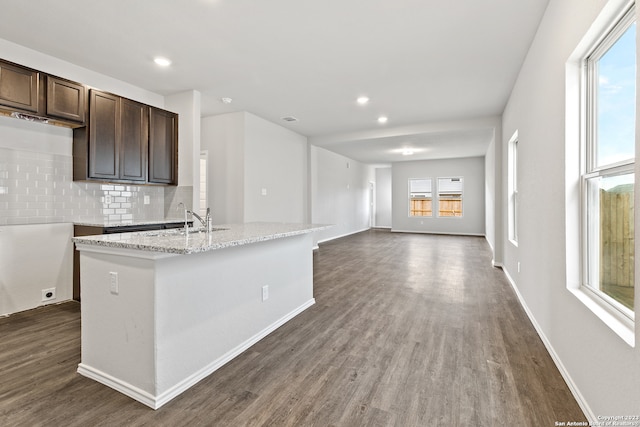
(126, 223)
(176, 242)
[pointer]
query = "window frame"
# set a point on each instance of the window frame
(410, 198)
(461, 178)
(589, 168)
(513, 188)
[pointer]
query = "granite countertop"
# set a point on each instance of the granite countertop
(127, 223)
(223, 236)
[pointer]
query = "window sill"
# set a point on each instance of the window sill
(616, 321)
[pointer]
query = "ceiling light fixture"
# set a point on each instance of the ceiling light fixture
(362, 100)
(407, 152)
(163, 62)
(382, 119)
(226, 100)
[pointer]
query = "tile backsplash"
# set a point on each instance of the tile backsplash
(38, 188)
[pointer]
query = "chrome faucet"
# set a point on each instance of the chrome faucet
(206, 222)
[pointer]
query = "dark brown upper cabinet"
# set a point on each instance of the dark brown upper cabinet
(41, 96)
(113, 146)
(134, 132)
(126, 141)
(66, 99)
(19, 88)
(104, 135)
(163, 147)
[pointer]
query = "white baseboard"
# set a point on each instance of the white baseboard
(591, 417)
(343, 235)
(444, 233)
(156, 401)
(118, 385)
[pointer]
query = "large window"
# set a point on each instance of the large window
(607, 177)
(450, 197)
(420, 197)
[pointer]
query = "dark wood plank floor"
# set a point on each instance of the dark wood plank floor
(407, 330)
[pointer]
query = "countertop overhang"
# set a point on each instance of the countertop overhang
(177, 242)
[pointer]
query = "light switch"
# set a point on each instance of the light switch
(264, 191)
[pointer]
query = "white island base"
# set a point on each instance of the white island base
(169, 320)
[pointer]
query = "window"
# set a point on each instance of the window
(420, 197)
(607, 176)
(450, 197)
(513, 188)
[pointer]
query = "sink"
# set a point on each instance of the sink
(180, 232)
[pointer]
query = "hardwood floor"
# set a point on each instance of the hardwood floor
(407, 330)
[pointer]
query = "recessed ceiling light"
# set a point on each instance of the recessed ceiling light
(407, 152)
(163, 62)
(362, 100)
(290, 119)
(382, 119)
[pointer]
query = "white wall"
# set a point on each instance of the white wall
(223, 136)
(187, 106)
(473, 202)
(33, 258)
(248, 154)
(490, 192)
(340, 193)
(601, 368)
(383, 198)
(276, 163)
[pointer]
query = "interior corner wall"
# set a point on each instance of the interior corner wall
(275, 172)
(601, 368)
(340, 194)
(472, 221)
(223, 136)
(257, 170)
(383, 198)
(187, 106)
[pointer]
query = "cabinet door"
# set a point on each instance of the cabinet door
(19, 87)
(134, 131)
(104, 137)
(65, 99)
(163, 147)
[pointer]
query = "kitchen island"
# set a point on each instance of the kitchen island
(162, 310)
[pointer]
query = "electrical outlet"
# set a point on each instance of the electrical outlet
(108, 199)
(264, 191)
(113, 283)
(48, 294)
(265, 292)
(147, 199)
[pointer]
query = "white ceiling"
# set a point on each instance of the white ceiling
(419, 61)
